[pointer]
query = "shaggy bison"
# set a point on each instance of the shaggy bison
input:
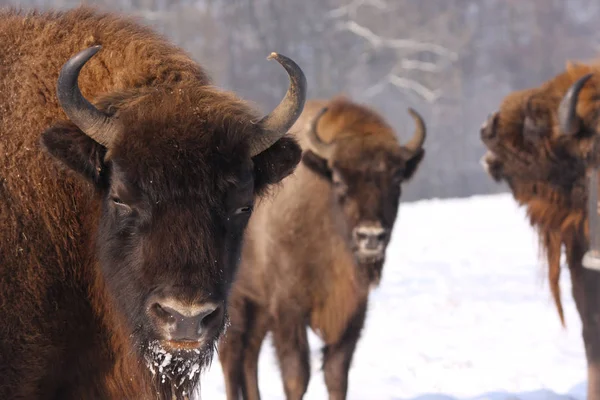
(313, 251)
(122, 222)
(540, 143)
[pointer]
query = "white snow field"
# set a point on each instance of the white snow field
(463, 312)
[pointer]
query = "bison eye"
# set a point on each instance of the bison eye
(243, 210)
(121, 206)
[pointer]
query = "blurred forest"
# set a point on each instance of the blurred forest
(452, 60)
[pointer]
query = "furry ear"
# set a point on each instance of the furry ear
(276, 163)
(77, 151)
(316, 164)
(413, 163)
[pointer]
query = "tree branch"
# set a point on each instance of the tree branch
(419, 65)
(351, 8)
(409, 44)
(404, 83)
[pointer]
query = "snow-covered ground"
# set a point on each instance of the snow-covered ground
(463, 312)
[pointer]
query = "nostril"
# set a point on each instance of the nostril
(163, 314)
(179, 321)
(373, 243)
(210, 317)
(361, 236)
(382, 236)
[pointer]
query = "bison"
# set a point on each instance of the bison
(541, 143)
(315, 249)
(121, 222)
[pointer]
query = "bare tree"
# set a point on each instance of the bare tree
(453, 60)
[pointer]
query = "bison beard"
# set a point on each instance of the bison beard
(176, 372)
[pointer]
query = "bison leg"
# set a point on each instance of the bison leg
(255, 334)
(291, 346)
(231, 348)
(338, 356)
(240, 348)
(586, 292)
(231, 358)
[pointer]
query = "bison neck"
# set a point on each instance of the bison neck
(342, 286)
(336, 305)
(297, 258)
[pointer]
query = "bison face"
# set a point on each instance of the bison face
(542, 143)
(169, 236)
(526, 147)
(366, 174)
(518, 138)
(169, 254)
(177, 170)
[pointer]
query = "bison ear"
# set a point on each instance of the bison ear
(77, 151)
(316, 164)
(413, 163)
(276, 163)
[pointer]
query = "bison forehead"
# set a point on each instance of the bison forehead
(169, 176)
(181, 117)
(372, 153)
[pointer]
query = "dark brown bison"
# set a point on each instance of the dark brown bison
(121, 222)
(541, 144)
(313, 252)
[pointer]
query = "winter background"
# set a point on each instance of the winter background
(463, 312)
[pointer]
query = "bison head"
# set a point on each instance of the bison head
(540, 143)
(366, 168)
(177, 168)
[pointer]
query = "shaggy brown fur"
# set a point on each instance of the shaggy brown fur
(299, 263)
(86, 240)
(546, 171)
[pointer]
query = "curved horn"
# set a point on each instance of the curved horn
(88, 118)
(276, 124)
(319, 147)
(416, 142)
(570, 122)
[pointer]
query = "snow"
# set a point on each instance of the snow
(463, 312)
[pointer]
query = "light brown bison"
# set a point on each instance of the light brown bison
(313, 251)
(121, 222)
(541, 144)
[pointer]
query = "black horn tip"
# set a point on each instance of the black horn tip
(415, 114)
(418, 139)
(567, 109)
(70, 69)
(578, 85)
(78, 109)
(293, 69)
(282, 118)
(82, 57)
